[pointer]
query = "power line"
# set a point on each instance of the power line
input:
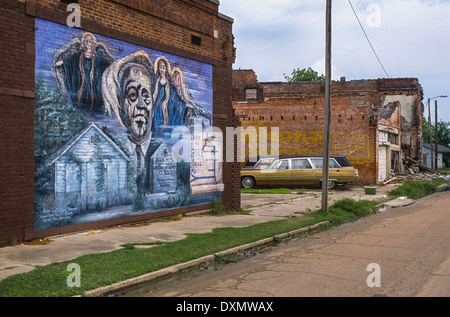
(373, 49)
(367, 37)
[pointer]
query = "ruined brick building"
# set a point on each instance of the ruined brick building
(79, 147)
(376, 123)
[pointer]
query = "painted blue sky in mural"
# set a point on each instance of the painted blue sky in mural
(51, 36)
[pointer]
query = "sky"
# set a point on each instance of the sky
(410, 37)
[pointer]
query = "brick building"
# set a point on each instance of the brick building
(376, 123)
(59, 79)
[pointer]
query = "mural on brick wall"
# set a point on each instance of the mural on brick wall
(120, 130)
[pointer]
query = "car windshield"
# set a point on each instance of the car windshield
(272, 165)
(278, 165)
(264, 163)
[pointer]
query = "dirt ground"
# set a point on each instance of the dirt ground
(311, 200)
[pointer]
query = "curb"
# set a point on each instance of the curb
(133, 283)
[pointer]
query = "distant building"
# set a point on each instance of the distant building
(441, 151)
(376, 123)
(90, 172)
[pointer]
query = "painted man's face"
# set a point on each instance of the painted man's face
(137, 104)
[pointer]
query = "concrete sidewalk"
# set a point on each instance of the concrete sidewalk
(284, 205)
(24, 257)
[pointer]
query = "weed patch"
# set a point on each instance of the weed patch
(444, 170)
(218, 208)
(346, 210)
(417, 189)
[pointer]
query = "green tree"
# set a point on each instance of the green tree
(54, 124)
(304, 74)
(443, 132)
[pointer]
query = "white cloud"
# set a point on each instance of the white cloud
(412, 40)
(319, 66)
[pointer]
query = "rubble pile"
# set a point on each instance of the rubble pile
(423, 176)
(418, 172)
(414, 171)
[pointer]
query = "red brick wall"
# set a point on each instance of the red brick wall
(168, 22)
(165, 25)
(298, 109)
(301, 122)
(17, 128)
(224, 117)
(243, 80)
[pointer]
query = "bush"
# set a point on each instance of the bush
(347, 210)
(358, 208)
(417, 189)
(218, 208)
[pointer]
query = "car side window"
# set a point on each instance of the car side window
(301, 164)
(284, 165)
(334, 164)
(318, 163)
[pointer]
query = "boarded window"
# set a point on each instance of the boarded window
(196, 40)
(393, 139)
(251, 94)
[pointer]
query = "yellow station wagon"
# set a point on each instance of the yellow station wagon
(298, 170)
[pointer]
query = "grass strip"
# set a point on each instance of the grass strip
(102, 269)
(266, 191)
(444, 170)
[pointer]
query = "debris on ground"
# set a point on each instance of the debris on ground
(38, 242)
(414, 171)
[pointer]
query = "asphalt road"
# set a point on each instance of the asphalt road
(402, 252)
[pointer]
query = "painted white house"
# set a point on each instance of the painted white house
(427, 155)
(90, 172)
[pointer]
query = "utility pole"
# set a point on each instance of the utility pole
(436, 132)
(436, 135)
(326, 139)
(430, 132)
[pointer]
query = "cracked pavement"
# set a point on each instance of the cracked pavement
(410, 244)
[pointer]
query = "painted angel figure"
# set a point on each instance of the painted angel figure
(78, 68)
(162, 94)
(192, 110)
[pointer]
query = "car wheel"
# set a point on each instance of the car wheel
(331, 184)
(248, 182)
